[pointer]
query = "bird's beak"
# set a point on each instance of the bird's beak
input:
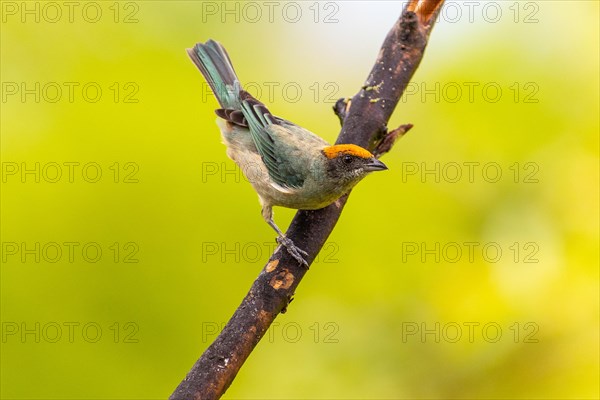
(375, 165)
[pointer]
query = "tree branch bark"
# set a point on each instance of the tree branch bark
(364, 121)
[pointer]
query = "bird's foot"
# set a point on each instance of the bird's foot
(294, 251)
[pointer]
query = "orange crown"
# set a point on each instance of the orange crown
(352, 149)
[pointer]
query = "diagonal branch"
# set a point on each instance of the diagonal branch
(364, 122)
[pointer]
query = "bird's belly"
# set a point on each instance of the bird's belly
(306, 201)
(303, 198)
(309, 197)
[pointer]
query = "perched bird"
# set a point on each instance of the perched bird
(291, 166)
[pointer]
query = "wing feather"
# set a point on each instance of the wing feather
(260, 120)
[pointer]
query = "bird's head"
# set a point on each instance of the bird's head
(347, 164)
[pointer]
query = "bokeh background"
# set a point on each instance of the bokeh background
(442, 279)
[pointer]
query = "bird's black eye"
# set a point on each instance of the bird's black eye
(347, 159)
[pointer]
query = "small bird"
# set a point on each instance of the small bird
(290, 166)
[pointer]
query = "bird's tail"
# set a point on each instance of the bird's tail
(214, 63)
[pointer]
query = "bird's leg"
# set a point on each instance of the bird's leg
(296, 252)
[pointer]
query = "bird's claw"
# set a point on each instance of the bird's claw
(294, 251)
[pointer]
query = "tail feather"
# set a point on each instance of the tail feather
(213, 62)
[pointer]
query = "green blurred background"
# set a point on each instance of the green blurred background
(396, 306)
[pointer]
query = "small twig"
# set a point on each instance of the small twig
(364, 120)
(386, 140)
(340, 108)
(385, 145)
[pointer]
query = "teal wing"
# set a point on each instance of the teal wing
(283, 146)
(282, 155)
